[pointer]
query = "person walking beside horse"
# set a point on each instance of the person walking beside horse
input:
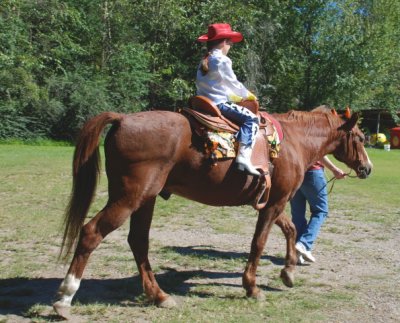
(216, 80)
(312, 190)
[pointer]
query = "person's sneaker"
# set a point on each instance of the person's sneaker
(305, 253)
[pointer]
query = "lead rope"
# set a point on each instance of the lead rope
(333, 180)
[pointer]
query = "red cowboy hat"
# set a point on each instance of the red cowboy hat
(221, 31)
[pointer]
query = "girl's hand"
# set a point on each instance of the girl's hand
(251, 97)
(235, 98)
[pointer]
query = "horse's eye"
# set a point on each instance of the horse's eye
(359, 138)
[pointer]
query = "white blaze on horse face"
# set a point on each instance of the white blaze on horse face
(368, 160)
(67, 289)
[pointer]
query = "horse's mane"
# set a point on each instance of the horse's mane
(312, 119)
(303, 115)
(322, 108)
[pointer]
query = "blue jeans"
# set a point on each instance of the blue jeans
(312, 190)
(246, 119)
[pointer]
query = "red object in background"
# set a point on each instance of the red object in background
(395, 138)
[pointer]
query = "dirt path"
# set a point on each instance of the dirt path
(363, 259)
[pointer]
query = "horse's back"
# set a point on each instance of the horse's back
(148, 135)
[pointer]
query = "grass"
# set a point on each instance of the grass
(35, 183)
(375, 199)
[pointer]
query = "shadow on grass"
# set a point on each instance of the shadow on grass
(18, 295)
(203, 251)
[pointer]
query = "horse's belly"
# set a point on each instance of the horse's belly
(220, 185)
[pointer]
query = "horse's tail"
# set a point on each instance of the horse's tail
(85, 170)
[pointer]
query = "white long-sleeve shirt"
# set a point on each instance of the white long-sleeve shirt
(220, 83)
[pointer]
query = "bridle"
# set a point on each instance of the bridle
(334, 179)
(361, 170)
(353, 149)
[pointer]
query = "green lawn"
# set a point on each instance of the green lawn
(375, 199)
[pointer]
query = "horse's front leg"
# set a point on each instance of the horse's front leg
(265, 221)
(138, 240)
(289, 230)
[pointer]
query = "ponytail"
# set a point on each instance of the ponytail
(204, 64)
(204, 61)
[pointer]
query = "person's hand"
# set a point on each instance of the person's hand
(338, 173)
(251, 97)
(235, 98)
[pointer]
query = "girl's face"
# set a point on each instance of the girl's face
(226, 46)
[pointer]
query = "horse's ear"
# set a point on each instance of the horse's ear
(351, 122)
(334, 112)
(347, 113)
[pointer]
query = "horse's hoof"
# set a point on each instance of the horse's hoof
(169, 302)
(287, 278)
(62, 310)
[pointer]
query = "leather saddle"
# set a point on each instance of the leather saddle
(207, 116)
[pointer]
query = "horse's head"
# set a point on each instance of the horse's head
(351, 149)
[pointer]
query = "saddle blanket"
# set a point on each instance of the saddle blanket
(220, 144)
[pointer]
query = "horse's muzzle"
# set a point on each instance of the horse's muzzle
(364, 171)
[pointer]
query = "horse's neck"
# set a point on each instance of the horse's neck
(312, 136)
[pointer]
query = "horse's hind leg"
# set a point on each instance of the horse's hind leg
(92, 233)
(289, 230)
(138, 240)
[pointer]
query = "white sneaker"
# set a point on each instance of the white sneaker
(305, 253)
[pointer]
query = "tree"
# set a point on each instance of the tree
(64, 61)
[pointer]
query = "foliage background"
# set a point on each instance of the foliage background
(64, 61)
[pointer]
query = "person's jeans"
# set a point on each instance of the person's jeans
(312, 190)
(247, 120)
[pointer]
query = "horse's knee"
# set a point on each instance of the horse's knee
(292, 232)
(287, 226)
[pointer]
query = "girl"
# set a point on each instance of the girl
(217, 81)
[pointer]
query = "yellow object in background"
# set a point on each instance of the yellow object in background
(378, 138)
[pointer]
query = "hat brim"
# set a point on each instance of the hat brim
(234, 36)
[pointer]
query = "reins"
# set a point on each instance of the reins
(333, 180)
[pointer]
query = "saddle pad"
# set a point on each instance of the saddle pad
(220, 144)
(276, 125)
(275, 136)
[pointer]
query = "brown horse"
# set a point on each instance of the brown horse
(152, 152)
